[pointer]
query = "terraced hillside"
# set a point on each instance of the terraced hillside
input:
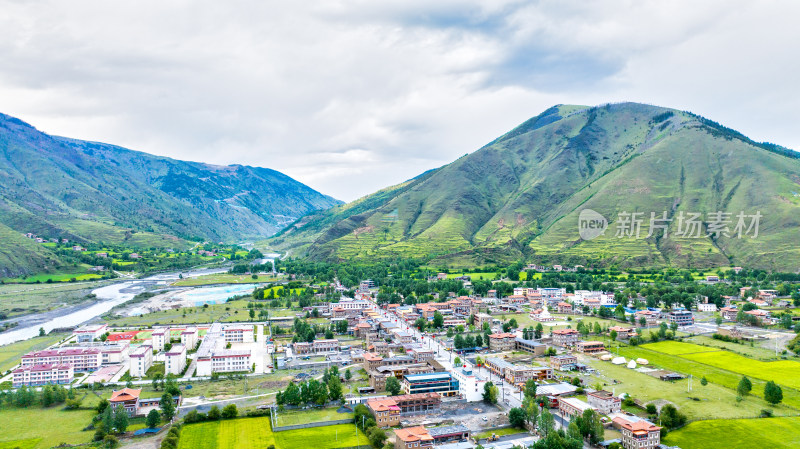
(519, 197)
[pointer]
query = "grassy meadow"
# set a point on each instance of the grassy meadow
(256, 432)
(773, 433)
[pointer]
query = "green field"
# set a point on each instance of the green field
(724, 377)
(677, 348)
(43, 428)
(783, 372)
(256, 432)
(290, 418)
(10, 354)
(755, 351)
(20, 299)
(703, 402)
(224, 278)
(772, 433)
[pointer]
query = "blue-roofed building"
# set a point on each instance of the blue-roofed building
(442, 383)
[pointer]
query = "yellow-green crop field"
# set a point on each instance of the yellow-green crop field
(672, 347)
(256, 432)
(773, 433)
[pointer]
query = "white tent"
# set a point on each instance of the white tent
(632, 364)
(642, 361)
(618, 361)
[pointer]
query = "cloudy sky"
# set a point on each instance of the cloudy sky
(351, 96)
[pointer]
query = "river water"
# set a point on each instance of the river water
(108, 296)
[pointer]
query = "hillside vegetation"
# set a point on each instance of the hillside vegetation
(92, 192)
(520, 196)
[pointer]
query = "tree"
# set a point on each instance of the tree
(458, 342)
(704, 381)
(120, 419)
(457, 361)
(546, 423)
(376, 437)
(490, 393)
(773, 393)
(613, 335)
(214, 413)
(718, 320)
(642, 321)
(101, 406)
(590, 426)
(744, 387)
(671, 418)
(110, 442)
(334, 388)
(393, 385)
(42, 333)
(230, 411)
(158, 380)
(478, 341)
(438, 320)
(530, 388)
(167, 407)
(517, 417)
(108, 419)
(538, 332)
(347, 375)
(361, 414)
(154, 419)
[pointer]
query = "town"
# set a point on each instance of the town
(515, 365)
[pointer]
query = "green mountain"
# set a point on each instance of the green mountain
(520, 197)
(93, 192)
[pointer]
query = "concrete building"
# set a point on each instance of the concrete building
(637, 433)
(442, 383)
(564, 362)
(189, 337)
(42, 374)
(682, 317)
(89, 332)
(81, 359)
(141, 360)
(502, 342)
(239, 333)
(570, 407)
(388, 411)
(565, 337)
(604, 402)
(175, 360)
(159, 339)
(470, 384)
(589, 347)
(420, 437)
(482, 318)
(534, 347)
(213, 357)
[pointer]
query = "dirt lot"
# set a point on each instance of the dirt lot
(458, 412)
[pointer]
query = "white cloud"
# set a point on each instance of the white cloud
(352, 96)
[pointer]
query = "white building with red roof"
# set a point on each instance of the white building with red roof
(42, 374)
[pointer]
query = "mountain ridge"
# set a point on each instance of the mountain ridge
(89, 191)
(517, 198)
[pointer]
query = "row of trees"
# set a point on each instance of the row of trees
(313, 392)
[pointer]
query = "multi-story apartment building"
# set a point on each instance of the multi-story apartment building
(239, 333)
(565, 337)
(81, 359)
(189, 337)
(502, 342)
(604, 402)
(388, 411)
(141, 359)
(175, 360)
(572, 406)
(681, 317)
(89, 332)
(42, 374)
(638, 433)
(159, 338)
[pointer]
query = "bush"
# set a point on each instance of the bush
(766, 413)
(214, 413)
(230, 411)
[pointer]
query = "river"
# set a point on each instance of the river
(108, 296)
